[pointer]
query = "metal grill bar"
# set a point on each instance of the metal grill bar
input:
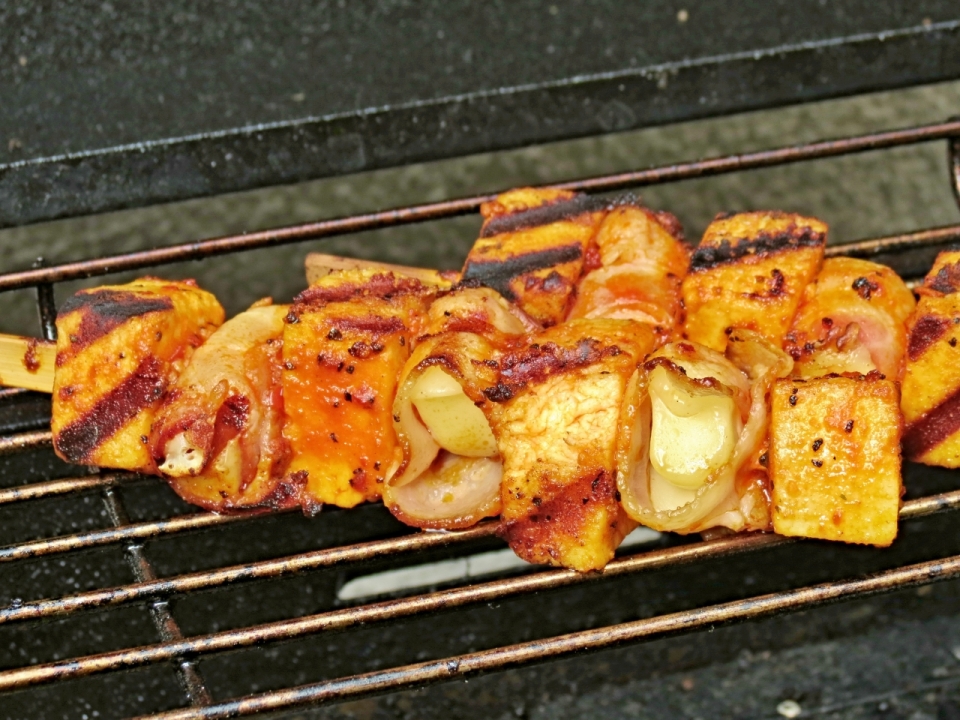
(169, 630)
(414, 605)
(561, 646)
(65, 486)
(463, 206)
(25, 441)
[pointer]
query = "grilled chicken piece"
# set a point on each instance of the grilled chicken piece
(852, 319)
(217, 438)
(835, 440)
(635, 265)
(531, 248)
(693, 431)
(931, 384)
(750, 271)
(451, 471)
(346, 340)
(556, 422)
(118, 348)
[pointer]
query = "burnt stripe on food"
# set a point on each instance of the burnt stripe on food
(77, 441)
(543, 215)
(497, 274)
(926, 331)
(933, 428)
(383, 285)
(104, 310)
(947, 279)
(705, 258)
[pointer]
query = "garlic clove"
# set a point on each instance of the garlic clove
(454, 421)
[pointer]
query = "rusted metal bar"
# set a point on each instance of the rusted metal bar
(25, 441)
(63, 486)
(933, 237)
(462, 206)
(127, 533)
(502, 658)
(953, 163)
(190, 680)
(417, 604)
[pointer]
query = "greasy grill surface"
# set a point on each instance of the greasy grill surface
(103, 573)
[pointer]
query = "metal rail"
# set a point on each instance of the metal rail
(463, 206)
(404, 607)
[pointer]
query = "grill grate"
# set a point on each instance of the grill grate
(185, 651)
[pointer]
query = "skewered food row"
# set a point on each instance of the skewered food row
(575, 381)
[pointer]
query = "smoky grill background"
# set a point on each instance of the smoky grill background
(82, 82)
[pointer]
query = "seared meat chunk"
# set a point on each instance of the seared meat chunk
(118, 349)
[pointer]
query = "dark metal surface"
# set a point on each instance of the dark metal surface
(170, 101)
(462, 206)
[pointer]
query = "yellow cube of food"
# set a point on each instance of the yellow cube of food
(749, 271)
(835, 458)
(118, 348)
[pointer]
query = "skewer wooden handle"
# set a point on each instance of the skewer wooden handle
(27, 363)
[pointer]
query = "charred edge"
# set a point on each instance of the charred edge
(77, 441)
(376, 325)
(933, 428)
(286, 493)
(537, 362)
(669, 365)
(385, 286)
(543, 215)
(104, 310)
(562, 516)
(926, 331)
(727, 251)
(947, 279)
(497, 274)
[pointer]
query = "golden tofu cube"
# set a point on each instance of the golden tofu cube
(346, 341)
(931, 385)
(118, 348)
(531, 248)
(749, 271)
(835, 458)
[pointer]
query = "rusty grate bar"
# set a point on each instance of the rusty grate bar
(25, 441)
(413, 605)
(462, 206)
(64, 486)
(461, 666)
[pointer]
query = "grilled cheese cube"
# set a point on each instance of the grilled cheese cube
(749, 271)
(118, 348)
(557, 428)
(346, 340)
(931, 385)
(531, 248)
(835, 458)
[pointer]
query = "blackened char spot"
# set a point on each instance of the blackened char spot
(543, 215)
(933, 428)
(947, 279)
(926, 331)
(497, 274)
(385, 285)
(705, 258)
(104, 310)
(76, 442)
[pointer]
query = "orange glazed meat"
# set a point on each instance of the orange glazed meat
(750, 271)
(118, 349)
(344, 345)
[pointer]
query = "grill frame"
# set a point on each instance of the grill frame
(157, 592)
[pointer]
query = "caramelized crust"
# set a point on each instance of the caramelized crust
(850, 291)
(642, 260)
(118, 348)
(556, 427)
(835, 458)
(531, 248)
(931, 385)
(749, 271)
(344, 344)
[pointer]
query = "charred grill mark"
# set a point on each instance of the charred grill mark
(104, 310)
(371, 324)
(793, 238)
(497, 274)
(77, 441)
(543, 215)
(933, 428)
(947, 279)
(386, 286)
(925, 333)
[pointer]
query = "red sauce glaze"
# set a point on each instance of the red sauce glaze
(933, 428)
(926, 331)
